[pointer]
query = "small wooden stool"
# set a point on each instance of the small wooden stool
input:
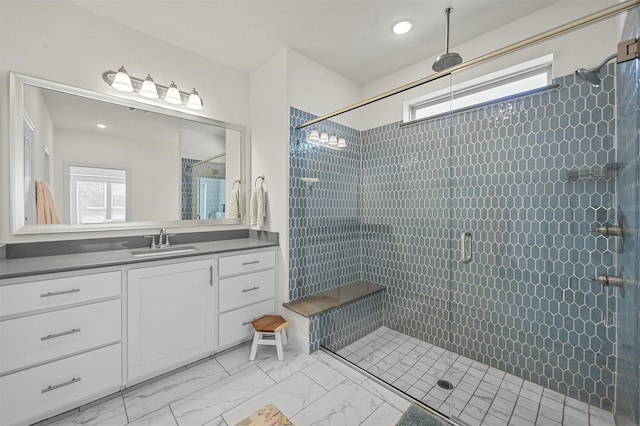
(269, 325)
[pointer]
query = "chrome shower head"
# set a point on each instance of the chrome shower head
(446, 60)
(591, 75)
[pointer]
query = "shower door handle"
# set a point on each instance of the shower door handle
(465, 247)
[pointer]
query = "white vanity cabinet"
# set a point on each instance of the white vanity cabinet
(170, 316)
(246, 291)
(60, 342)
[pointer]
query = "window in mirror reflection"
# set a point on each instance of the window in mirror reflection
(97, 195)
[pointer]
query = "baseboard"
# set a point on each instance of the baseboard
(298, 342)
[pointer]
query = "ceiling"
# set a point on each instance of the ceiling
(351, 37)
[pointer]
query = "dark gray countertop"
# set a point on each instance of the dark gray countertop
(13, 268)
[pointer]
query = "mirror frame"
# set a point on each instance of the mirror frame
(16, 154)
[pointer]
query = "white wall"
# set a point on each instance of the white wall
(585, 48)
(75, 48)
(270, 157)
(316, 89)
(288, 79)
(199, 145)
(155, 192)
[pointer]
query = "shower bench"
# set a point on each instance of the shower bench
(321, 302)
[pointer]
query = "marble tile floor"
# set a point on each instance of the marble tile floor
(315, 389)
(482, 395)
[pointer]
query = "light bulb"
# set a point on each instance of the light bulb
(342, 143)
(333, 140)
(121, 81)
(148, 89)
(324, 137)
(314, 136)
(173, 95)
(194, 101)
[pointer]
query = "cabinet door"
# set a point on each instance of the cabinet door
(170, 317)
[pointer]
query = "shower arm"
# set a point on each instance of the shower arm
(606, 60)
(514, 47)
(447, 12)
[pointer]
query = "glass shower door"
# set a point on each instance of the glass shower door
(628, 297)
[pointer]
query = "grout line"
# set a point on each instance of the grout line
(173, 414)
(126, 413)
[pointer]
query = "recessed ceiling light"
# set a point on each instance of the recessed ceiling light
(101, 126)
(402, 27)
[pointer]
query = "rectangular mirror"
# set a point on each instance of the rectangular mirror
(86, 161)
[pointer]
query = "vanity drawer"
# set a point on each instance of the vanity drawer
(38, 338)
(56, 292)
(246, 262)
(246, 289)
(235, 326)
(49, 389)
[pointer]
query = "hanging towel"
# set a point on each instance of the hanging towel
(258, 210)
(233, 205)
(46, 210)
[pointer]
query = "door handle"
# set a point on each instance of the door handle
(465, 246)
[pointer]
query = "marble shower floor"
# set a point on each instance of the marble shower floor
(308, 389)
(481, 395)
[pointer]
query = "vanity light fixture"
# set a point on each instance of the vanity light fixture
(194, 101)
(315, 137)
(146, 87)
(324, 137)
(101, 126)
(149, 89)
(122, 81)
(173, 94)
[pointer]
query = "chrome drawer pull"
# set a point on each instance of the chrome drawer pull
(250, 289)
(61, 385)
(58, 293)
(250, 263)
(64, 333)
(247, 323)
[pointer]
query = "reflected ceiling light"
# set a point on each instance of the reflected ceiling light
(314, 136)
(173, 95)
(101, 126)
(148, 88)
(402, 27)
(122, 81)
(194, 101)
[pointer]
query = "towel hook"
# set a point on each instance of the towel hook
(238, 181)
(261, 178)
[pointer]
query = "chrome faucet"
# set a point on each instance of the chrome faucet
(163, 235)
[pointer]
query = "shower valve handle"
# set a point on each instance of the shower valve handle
(609, 280)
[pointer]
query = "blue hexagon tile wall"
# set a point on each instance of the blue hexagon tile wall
(391, 206)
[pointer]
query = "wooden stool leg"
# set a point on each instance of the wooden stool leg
(278, 337)
(284, 336)
(254, 345)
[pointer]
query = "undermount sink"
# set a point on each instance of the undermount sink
(162, 251)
